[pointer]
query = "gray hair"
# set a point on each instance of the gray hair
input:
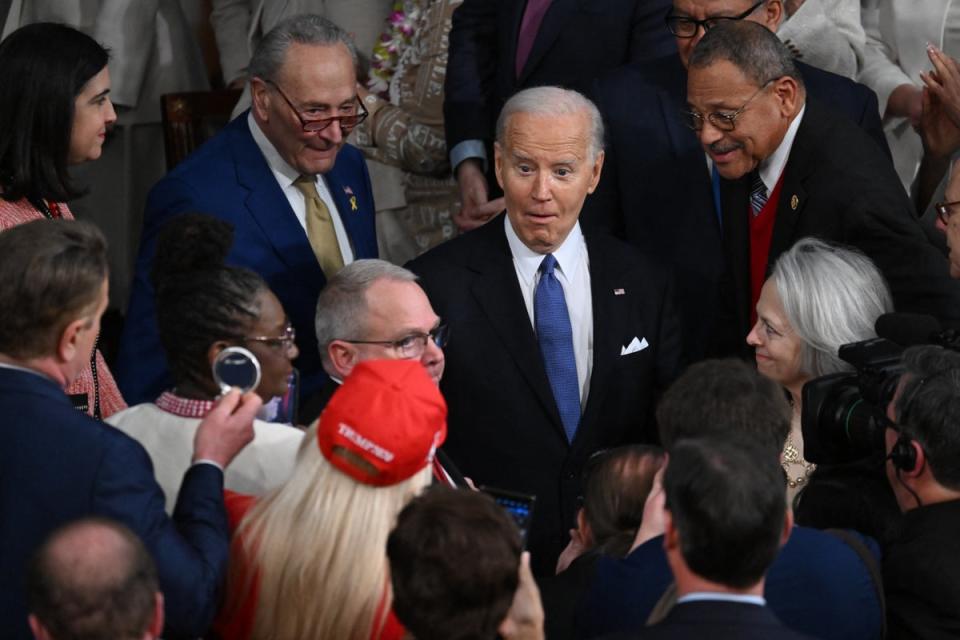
(831, 295)
(342, 305)
(301, 29)
(553, 101)
(752, 48)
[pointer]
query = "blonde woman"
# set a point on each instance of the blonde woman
(309, 559)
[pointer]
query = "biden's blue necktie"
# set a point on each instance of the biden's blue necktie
(556, 345)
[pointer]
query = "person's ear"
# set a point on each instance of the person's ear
(498, 162)
(788, 96)
(260, 98)
(343, 357)
(920, 461)
(68, 346)
(772, 14)
(214, 350)
(39, 631)
(586, 533)
(787, 527)
(671, 537)
(595, 171)
(156, 625)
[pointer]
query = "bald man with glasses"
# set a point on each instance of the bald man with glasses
(282, 174)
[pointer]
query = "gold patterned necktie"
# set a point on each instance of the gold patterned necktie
(320, 231)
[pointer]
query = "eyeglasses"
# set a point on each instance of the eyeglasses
(312, 125)
(721, 120)
(686, 27)
(413, 345)
(284, 342)
(944, 212)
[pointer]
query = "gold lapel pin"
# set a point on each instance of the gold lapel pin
(794, 202)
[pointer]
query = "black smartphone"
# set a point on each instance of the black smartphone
(518, 505)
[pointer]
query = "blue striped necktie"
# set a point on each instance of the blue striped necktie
(758, 195)
(555, 337)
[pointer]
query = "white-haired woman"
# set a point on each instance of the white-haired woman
(818, 297)
(309, 560)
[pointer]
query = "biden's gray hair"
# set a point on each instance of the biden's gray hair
(342, 305)
(300, 29)
(553, 101)
(831, 295)
(752, 48)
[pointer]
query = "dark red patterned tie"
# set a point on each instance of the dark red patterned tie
(532, 17)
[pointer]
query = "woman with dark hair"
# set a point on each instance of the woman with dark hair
(55, 112)
(203, 307)
(616, 484)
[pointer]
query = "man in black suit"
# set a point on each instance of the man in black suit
(498, 47)
(791, 168)
(726, 519)
(921, 567)
(559, 340)
(657, 192)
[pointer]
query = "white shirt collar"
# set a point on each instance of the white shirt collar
(772, 167)
(283, 172)
(569, 254)
(701, 596)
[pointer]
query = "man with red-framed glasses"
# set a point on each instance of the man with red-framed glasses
(282, 174)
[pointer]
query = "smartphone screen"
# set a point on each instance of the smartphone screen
(518, 505)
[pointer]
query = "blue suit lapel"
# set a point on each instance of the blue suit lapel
(269, 208)
(351, 198)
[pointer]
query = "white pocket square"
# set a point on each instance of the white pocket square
(635, 345)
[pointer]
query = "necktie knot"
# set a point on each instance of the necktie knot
(307, 185)
(548, 264)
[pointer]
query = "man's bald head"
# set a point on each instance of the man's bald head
(93, 579)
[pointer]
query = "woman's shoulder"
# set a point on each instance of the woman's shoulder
(17, 212)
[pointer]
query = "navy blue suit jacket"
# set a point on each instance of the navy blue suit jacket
(716, 620)
(57, 465)
(577, 41)
(229, 178)
(656, 192)
(818, 585)
(505, 429)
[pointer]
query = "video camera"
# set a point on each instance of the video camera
(844, 414)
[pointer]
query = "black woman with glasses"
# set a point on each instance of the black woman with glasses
(204, 307)
(298, 197)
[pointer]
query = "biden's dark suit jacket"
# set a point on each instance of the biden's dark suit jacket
(229, 178)
(504, 426)
(578, 40)
(656, 190)
(57, 465)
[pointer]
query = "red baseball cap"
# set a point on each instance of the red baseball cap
(384, 423)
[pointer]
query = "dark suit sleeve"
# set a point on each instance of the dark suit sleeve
(190, 550)
(649, 36)
(471, 67)
(870, 119)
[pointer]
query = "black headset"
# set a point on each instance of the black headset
(903, 455)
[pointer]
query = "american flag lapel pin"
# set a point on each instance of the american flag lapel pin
(353, 199)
